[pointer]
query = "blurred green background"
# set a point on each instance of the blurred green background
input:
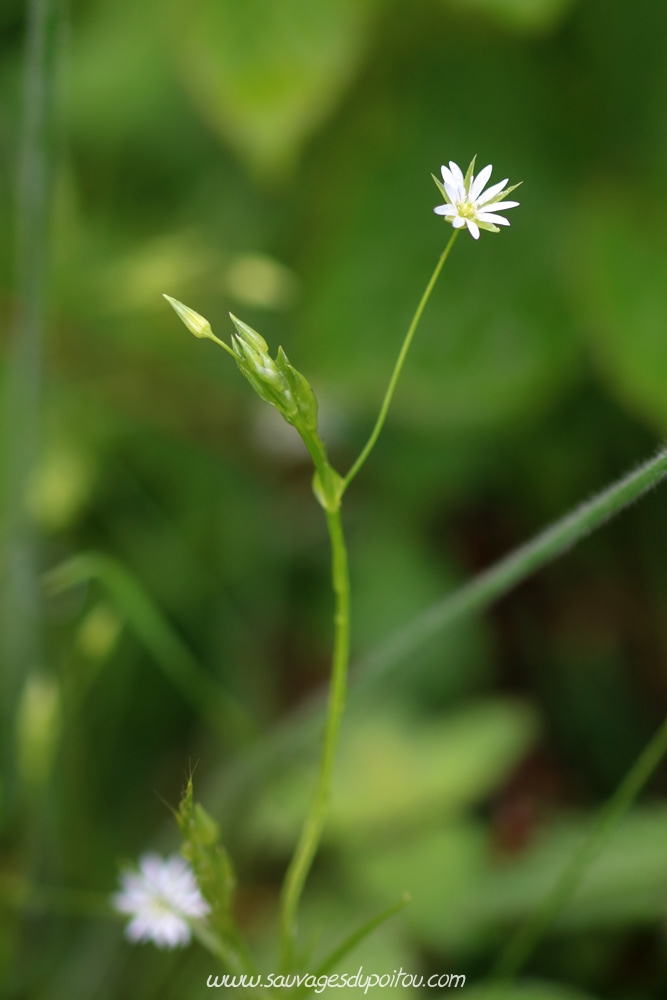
(274, 159)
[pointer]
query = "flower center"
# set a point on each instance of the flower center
(466, 209)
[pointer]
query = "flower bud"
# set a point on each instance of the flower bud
(195, 323)
(270, 379)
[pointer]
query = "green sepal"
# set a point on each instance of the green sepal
(258, 367)
(468, 177)
(499, 197)
(210, 862)
(488, 226)
(300, 391)
(249, 335)
(441, 188)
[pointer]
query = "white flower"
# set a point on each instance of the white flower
(468, 204)
(160, 896)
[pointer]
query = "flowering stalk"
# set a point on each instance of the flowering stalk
(375, 433)
(314, 824)
(278, 383)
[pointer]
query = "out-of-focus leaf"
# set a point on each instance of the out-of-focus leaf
(621, 276)
(392, 774)
(266, 74)
(395, 576)
(439, 868)
(110, 94)
(525, 16)
(626, 884)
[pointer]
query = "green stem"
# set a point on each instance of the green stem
(19, 593)
(368, 447)
(312, 829)
(522, 944)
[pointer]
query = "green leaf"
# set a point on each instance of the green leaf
(266, 74)
(391, 773)
(626, 884)
(620, 273)
(395, 774)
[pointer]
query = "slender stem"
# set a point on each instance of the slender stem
(312, 829)
(522, 944)
(19, 594)
(368, 447)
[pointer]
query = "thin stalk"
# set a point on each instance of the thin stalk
(370, 444)
(312, 830)
(521, 946)
(19, 597)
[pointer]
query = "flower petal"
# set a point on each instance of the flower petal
(473, 229)
(480, 182)
(453, 192)
(458, 222)
(501, 206)
(498, 220)
(492, 192)
(447, 175)
(457, 173)
(445, 210)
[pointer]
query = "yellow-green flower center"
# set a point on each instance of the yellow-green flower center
(466, 209)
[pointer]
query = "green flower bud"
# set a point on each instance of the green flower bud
(274, 381)
(195, 323)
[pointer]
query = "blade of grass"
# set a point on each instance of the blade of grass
(223, 712)
(19, 595)
(356, 937)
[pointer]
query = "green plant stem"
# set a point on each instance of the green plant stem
(312, 830)
(368, 447)
(20, 645)
(522, 944)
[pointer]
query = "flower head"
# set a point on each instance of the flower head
(161, 896)
(468, 204)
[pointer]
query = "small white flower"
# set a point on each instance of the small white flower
(161, 896)
(468, 204)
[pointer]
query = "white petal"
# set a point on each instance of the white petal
(448, 176)
(492, 192)
(473, 229)
(453, 192)
(480, 182)
(497, 220)
(456, 172)
(445, 210)
(458, 222)
(500, 206)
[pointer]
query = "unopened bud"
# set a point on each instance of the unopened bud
(195, 323)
